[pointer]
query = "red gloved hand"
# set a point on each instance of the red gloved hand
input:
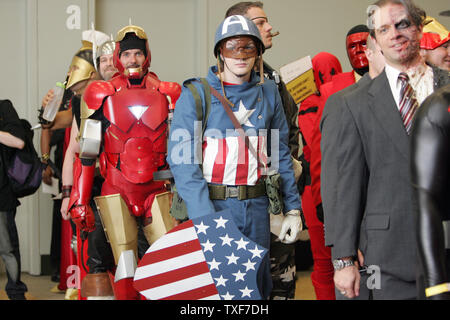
(83, 217)
(172, 90)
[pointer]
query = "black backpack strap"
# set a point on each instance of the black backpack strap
(178, 208)
(207, 90)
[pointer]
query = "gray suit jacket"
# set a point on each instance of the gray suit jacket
(375, 197)
(366, 185)
(329, 128)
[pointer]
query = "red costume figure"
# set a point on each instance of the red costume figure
(124, 120)
(325, 66)
(435, 44)
(356, 42)
(68, 257)
(81, 71)
(322, 276)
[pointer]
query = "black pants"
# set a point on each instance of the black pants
(100, 254)
(9, 251)
(283, 269)
(55, 244)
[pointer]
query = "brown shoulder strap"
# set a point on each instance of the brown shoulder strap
(235, 122)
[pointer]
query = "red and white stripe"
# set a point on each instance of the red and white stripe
(227, 161)
(408, 103)
(176, 269)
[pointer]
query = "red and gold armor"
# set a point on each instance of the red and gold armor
(134, 144)
(124, 122)
(434, 34)
(132, 72)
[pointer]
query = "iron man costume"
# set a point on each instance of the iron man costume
(124, 120)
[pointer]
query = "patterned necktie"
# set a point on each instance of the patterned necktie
(408, 103)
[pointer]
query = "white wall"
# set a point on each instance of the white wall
(37, 48)
(14, 86)
(58, 38)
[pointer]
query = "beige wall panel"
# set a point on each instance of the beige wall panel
(59, 27)
(13, 86)
(40, 48)
(59, 38)
(13, 56)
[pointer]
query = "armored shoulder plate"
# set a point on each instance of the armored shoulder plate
(95, 93)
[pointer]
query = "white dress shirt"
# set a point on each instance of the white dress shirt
(420, 79)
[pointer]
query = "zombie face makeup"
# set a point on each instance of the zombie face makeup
(397, 36)
(356, 45)
(239, 48)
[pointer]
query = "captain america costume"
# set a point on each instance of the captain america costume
(226, 160)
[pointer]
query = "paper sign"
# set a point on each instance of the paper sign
(299, 78)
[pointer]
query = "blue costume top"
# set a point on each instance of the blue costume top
(259, 109)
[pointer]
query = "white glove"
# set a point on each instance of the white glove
(298, 168)
(293, 222)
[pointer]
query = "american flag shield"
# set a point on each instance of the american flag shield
(206, 258)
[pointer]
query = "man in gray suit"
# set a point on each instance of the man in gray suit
(329, 126)
(374, 206)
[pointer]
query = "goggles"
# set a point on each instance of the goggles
(239, 48)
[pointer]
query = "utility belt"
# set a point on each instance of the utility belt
(269, 186)
(223, 192)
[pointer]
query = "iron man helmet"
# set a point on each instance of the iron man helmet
(140, 34)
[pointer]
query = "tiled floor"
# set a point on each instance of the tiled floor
(304, 288)
(39, 287)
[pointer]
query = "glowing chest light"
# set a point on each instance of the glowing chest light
(126, 107)
(138, 111)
